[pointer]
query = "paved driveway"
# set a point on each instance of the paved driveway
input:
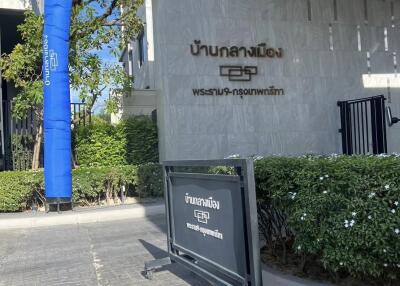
(89, 254)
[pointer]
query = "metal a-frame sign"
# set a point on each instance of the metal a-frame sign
(212, 222)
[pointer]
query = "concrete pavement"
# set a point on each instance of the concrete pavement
(98, 254)
(80, 216)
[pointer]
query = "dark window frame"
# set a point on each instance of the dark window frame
(141, 49)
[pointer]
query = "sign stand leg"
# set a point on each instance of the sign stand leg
(151, 266)
(58, 203)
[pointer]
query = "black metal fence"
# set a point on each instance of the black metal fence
(80, 114)
(363, 125)
(18, 135)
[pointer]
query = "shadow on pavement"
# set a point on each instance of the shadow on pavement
(176, 269)
(158, 220)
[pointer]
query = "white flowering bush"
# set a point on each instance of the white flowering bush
(344, 210)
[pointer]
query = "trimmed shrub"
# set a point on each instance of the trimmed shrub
(90, 185)
(17, 188)
(342, 210)
(99, 144)
(149, 181)
(133, 141)
(142, 140)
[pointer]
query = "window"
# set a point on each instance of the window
(130, 61)
(141, 48)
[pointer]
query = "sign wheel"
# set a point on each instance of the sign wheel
(149, 274)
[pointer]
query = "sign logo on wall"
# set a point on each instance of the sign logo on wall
(237, 73)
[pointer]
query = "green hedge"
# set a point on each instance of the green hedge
(149, 180)
(341, 210)
(99, 144)
(90, 185)
(141, 140)
(133, 141)
(17, 188)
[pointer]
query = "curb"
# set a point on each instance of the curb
(277, 278)
(81, 217)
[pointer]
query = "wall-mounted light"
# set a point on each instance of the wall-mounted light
(391, 120)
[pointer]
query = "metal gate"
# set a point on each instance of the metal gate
(79, 114)
(6, 135)
(363, 125)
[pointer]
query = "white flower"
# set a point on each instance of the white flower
(321, 178)
(352, 222)
(387, 187)
(393, 211)
(396, 203)
(369, 217)
(326, 176)
(385, 264)
(346, 223)
(341, 263)
(384, 251)
(325, 192)
(353, 214)
(299, 247)
(397, 231)
(371, 195)
(398, 265)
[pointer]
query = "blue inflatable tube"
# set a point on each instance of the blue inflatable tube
(57, 110)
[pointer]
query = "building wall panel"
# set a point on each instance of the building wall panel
(319, 68)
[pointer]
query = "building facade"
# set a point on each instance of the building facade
(11, 15)
(264, 77)
(138, 61)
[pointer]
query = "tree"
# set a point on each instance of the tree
(95, 25)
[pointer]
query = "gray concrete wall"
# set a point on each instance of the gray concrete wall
(37, 5)
(140, 102)
(143, 75)
(15, 4)
(314, 74)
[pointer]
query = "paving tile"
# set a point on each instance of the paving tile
(99, 254)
